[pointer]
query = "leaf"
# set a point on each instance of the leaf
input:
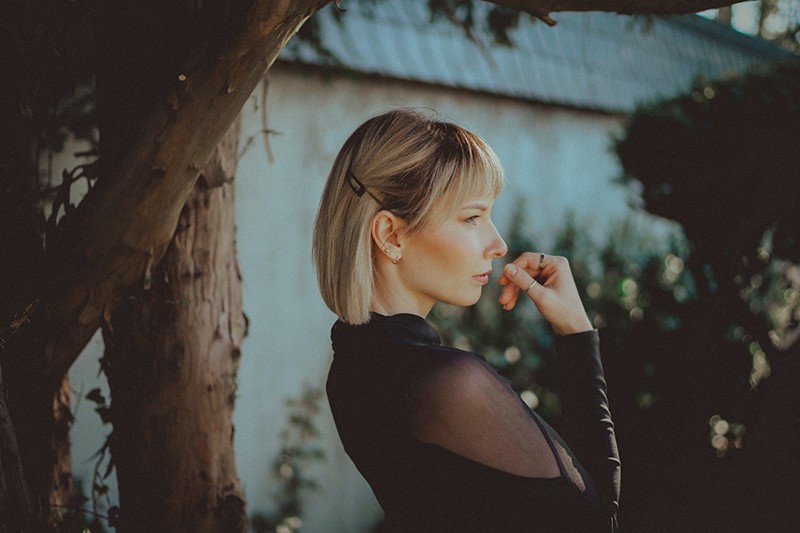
(104, 412)
(96, 396)
(109, 469)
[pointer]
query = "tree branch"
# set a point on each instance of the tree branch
(541, 9)
(127, 220)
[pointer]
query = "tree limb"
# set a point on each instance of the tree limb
(128, 219)
(541, 9)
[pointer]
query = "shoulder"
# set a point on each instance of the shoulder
(451, 382)
(463, 405)
(449, 365)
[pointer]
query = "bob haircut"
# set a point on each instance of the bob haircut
(419, 168)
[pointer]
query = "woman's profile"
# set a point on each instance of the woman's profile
(442, 439)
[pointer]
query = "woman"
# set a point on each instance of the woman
(444, 442)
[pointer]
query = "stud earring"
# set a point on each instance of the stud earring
(393, 256)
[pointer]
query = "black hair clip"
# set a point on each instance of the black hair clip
(359, 188)
(355, 183)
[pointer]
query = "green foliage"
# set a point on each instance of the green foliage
(779, 22)
(722, 160)
(75, 518)
(299, 450)
(472, 17)
(103, 467)
(475, 19)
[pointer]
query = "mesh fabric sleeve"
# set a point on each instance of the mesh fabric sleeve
(586, 419)
(461, 404)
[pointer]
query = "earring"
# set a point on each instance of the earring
(393, 256)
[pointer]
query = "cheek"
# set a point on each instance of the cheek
(449, 256)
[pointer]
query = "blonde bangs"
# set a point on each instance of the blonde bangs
(475, 173)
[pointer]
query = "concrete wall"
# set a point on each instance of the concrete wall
(555, 159)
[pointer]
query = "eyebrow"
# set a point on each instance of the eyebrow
(477, 205)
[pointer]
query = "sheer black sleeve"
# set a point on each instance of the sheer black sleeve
(587, 427)
(461, 404)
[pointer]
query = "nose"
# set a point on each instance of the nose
(497, 246)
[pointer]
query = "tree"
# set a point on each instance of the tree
(777, 21)
(726, 168)
(152, 88)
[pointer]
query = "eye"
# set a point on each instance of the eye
(472, 220)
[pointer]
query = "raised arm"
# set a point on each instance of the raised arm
(587, 426)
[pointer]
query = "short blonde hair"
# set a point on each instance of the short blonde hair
(409, 164)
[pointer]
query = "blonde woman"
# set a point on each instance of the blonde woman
(444, 442)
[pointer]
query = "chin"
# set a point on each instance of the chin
(463, 300)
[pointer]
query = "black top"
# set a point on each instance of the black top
(447, 445)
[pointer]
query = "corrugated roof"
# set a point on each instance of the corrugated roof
(600, 61)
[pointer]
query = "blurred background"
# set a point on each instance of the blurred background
(659, 154)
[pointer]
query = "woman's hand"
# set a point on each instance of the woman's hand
(554, 294)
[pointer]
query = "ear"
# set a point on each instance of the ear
(385, 229)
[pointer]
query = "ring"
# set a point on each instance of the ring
(541, 261)
(531, 285)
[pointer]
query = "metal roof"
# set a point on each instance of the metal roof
(599, 61)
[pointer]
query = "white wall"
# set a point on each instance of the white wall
(555, 159)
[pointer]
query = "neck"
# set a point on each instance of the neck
(390, 297)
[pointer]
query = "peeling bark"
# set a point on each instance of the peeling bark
(172, 354)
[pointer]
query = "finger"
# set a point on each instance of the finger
(518, 277)
(521, 281)
(532, 262)
(508, 296)
(510, 293)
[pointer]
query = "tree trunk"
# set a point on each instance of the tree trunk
(172, 354)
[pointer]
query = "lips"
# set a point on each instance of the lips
(483, 278)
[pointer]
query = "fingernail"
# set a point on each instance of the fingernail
(511, 269)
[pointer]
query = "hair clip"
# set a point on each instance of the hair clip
(359, 188)
(355, 183)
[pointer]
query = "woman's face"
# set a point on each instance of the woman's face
(450, 262)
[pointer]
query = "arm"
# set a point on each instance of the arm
(461, 404)
(588, 428)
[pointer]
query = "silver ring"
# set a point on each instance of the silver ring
(531, 285)
(541, 261)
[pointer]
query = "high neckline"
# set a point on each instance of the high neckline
(404, 327)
